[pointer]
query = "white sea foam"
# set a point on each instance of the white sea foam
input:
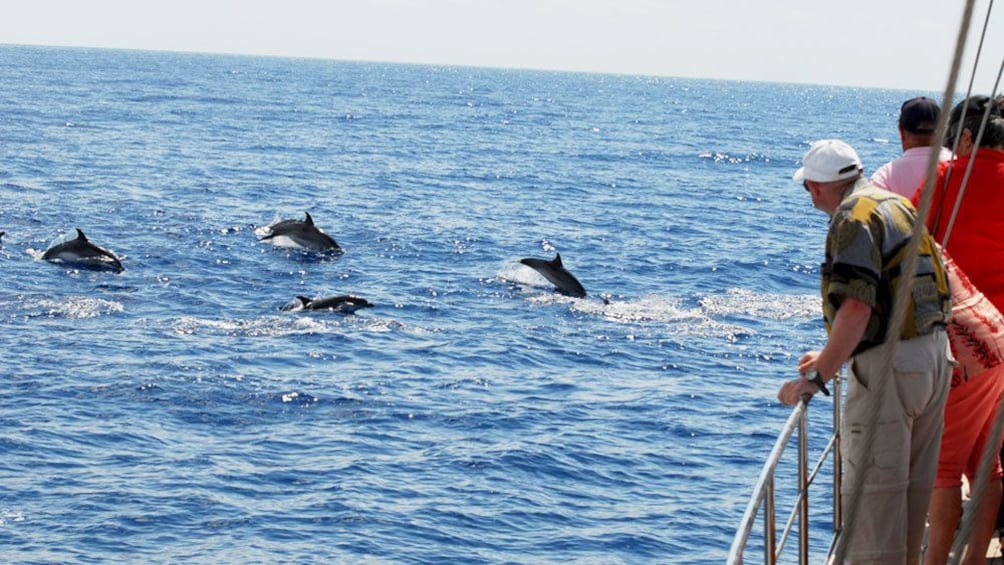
(669, 310)
(268, 326)
(280, 326)
(661, 309)
(673, 311)
(76, 307)
(9, 515)
(742, 301)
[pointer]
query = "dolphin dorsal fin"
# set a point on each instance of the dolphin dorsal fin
(80, 235)
(557, 260)
(309, 220)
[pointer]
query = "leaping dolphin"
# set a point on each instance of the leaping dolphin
(564, 281)
(82, 252)
(342, 303)
(303, 234)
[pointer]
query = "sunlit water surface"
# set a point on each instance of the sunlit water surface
(172, 412)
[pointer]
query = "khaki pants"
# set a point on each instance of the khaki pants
(900, 468)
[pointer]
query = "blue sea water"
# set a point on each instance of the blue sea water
(172, 412)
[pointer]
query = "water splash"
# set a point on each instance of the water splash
(72, 307)
(743, 301)
(671, 311)
(282, 326)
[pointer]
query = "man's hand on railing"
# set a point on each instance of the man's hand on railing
(792, 391)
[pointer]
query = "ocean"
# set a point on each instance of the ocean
(172, 413)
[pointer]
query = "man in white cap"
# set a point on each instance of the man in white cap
(869, 230)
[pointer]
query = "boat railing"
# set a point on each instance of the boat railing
(763, 501)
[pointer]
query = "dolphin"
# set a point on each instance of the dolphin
(553, 271)
(84, 253)
(301, 234)
(2, 233)
(342, 303)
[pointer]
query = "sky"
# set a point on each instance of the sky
(904, 44)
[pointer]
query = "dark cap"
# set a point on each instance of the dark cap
(919, 115)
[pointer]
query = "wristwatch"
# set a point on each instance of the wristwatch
(814, 377)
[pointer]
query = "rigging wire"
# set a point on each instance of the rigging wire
(903, 292)
(976, 64)
(978, 485)
(968, 521)
(969, 92)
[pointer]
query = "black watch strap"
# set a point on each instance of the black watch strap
(815, 378)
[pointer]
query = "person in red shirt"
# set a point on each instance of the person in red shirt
(972, 237)
(975, 241)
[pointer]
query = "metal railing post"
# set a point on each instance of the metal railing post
(838, 466)
(803, 488)
(769, 525)
(764, 494)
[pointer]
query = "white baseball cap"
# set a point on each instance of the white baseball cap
(829, 160)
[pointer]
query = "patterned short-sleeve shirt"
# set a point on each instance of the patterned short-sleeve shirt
(865, 249)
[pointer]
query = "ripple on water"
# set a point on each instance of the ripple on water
(474, 415)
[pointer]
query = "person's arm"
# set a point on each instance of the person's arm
(848, 327)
